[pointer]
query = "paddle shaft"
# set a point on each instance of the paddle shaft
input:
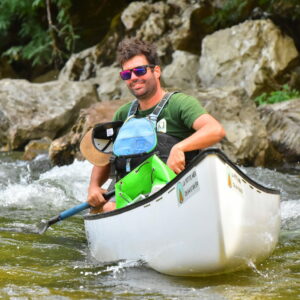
(74, 210)
(69, 213)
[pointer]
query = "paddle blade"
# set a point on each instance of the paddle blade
(44, 224)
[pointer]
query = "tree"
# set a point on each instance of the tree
(38, 31)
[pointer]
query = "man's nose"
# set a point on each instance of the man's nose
(133, 76)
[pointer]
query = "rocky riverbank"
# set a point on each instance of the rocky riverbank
(232, 66)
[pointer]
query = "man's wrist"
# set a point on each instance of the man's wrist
(179, 147)
(92, 186)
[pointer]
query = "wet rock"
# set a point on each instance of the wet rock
(33, 111)
(251, 56)
(4, 126)
(37, 147)
(282, 121)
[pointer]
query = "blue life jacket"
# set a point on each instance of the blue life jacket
(138, 139)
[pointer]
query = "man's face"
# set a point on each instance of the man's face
(142, 87)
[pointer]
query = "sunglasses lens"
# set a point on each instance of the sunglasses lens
(125, 75)
(140, 71)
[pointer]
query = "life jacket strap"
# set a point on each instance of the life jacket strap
(156, 112)
(160, 106)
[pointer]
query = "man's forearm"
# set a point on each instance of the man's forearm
(206, 136)
(201, 139)
(99, 175)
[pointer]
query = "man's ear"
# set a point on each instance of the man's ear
(157, 71)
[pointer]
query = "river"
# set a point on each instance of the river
(58, 265)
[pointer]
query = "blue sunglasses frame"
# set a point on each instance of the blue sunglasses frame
(138, 71)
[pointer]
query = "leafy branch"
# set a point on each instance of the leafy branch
(44, 28)
(286, 93)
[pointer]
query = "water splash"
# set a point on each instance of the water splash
(253, 266)
(116, 270)
(56, 188)
(287, 184)
(290, 214)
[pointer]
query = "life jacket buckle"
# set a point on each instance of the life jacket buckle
(128, 169)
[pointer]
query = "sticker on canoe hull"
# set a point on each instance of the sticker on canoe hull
(180, 192)
(187, 186)
(234, 180)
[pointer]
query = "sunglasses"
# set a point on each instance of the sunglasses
(138, 71)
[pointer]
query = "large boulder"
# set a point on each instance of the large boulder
(32, 111)
(250, 55)
(172, 25)
(181, 73)
(246, 137)
(282, 121)
(36, 147)
(109, 84)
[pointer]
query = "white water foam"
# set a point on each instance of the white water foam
(290, 214)
(74, 178)
(290, 209)
(58, 187)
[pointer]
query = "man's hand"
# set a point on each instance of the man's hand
(95, 196)
(176, 160)
(208, 131)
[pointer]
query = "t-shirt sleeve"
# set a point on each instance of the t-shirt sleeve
(188, 109)
(116, 116)
(121, 113)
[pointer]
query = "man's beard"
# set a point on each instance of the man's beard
(148, 89)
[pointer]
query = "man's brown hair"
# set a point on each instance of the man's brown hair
(130, 47)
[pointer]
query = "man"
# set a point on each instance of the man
(182, 117)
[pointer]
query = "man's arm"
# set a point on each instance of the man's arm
(95, 193)
(208, 132)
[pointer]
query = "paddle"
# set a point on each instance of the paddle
(44, 225)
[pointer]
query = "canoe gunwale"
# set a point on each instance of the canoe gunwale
(202, 155)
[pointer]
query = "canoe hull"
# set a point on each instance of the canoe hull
(211, 220)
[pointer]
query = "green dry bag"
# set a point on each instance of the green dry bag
(141, 181)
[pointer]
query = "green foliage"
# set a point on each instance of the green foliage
(230, 14)
(233, 12)
(44, 30)
(286, 93)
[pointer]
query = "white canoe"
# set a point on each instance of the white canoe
(211, 219)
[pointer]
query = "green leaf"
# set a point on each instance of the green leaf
(36, 42)
(286, 93)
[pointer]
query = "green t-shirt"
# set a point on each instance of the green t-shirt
(176, 118)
